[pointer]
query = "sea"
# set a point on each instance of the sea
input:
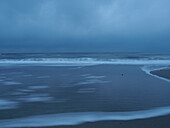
(55, 89)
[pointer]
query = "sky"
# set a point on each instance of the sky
(84, 26)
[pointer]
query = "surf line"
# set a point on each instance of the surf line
(81, 117)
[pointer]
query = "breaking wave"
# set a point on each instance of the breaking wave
(82, 61)
(81, 117)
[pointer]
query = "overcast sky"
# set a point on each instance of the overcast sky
(85, 25)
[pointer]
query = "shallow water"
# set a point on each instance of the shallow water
(35, 92)
(135, 90)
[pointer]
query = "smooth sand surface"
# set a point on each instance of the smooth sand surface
(165, 73)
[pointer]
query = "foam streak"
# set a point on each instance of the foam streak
(81, 117)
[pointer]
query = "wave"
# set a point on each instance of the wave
(81, 117)
(83, 61)
(148, 68)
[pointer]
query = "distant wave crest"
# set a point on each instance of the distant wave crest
(83, 61)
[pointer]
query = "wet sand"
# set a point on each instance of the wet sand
(157, 122)
(165, 73)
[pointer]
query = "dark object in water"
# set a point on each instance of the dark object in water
(122, 74)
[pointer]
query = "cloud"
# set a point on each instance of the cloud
(84, 20)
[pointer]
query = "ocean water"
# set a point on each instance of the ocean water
(73, 88)
(74, 59)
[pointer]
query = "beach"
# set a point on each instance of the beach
(85, 64)
(165, 73)
(157, 122)
(76, 95)
(84, 90)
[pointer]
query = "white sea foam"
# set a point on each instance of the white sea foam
(86, 75)
(14, 73)
(42, 77)
(36, 98)
(95, 77)
(81, 117)
(11, 83)
(148, 69)
(25, 90)
(38, 87)
(92, 81)
(18, 93)
(7, 104)
(81, 61)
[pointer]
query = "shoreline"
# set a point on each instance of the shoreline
(163, 73)
(155, 122)
(122, 88)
